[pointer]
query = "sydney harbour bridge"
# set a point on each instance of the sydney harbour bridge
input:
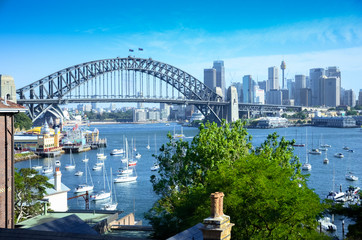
(131, 79)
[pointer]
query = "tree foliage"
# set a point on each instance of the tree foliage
(22, 121)
(30, 187)
(265, 193)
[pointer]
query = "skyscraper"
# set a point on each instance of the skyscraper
(315, 75)
(332, 91)
(273, 79)
(210, 78)
(220, 76)
(349, 98)
(300, 82)
(248, 89)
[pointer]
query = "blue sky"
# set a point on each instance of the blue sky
(38, 38)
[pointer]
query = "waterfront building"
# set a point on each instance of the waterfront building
(26, 142)
(220, 76)
(272, 122)
(315, 75)
(7, 88)
(8, 109)
(57, 196)
(210, 78)
(248, 89)
(339, 122)
(139, 115)
(300, 82)
(80, 107)
(91, 136)
(88, 107)
(153, 115)
(273, 79)
(349, 98)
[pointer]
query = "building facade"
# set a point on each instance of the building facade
(300, 82)
(248, 89)
(7, 111)
(315, 75)
(220, 76)
(349, 98)
(210, 78)
(273, 79)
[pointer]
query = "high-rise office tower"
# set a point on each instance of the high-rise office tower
(315, 75)
(210, 78)
(291, 88)
(349, 98)
(360, 97)
(332, 91)
(300, 82)
(262, 85)
(333, 72)
(273, 79)
(305, 97)
(239, 89)
(220, 76)
(248, 89)
(283, 66)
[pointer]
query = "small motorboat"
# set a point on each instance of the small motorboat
(339, 155)
(83, 188)
(351, 177)
(78, 173)
(326, 224)
(117, 152)
(138, 156)
(155, 167)
(345, 148)
(315, 151)
(57, 163)
(132, 163)
(351, 150)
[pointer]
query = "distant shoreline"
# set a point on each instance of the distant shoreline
(111, 123)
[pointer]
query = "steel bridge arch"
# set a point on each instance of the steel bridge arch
(59, 84)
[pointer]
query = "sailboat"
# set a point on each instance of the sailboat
(101, 155)
(132, 162)
(306, 166)
(71, 164)
(48, 169)
(126, 170)
(98, 165)
(134, 145)
(37, 167)
(103, 194)
(112, 204)
(155, 166)
(125, 177)
(349, 175)
(298, 144)
(314, 151)
(324, 145)
(325, 160)
(178, 135)
(148, 145)
(85, 187)
(85, 159)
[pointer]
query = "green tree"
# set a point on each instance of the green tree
(30, 187)
(22, 121)
(265, 193)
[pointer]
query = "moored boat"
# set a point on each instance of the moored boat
(339, 155)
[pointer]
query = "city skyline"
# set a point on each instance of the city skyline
(38, 38)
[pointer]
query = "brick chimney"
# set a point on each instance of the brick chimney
(57, 180)
(218, 225)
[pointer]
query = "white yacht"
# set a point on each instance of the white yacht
(85, 187)
(117, 151)
(326, 160)
(100, 196)
(315, 151)
(47, 170)
(326, 224)
(138, 156)
(339, 155)
(78, 173)
(125, 178)
(155, 167)
(336, 196)
(351, 177)
(57, 163)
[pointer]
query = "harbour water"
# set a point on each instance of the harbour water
(139, 197)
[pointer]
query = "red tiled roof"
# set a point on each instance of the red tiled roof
(10, 106)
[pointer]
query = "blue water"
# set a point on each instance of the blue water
(139, 196)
